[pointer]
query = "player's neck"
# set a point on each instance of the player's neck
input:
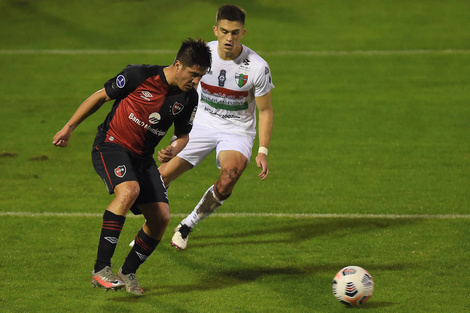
(228, 56)
(169, 73)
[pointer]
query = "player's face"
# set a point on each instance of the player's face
(188, 77)
(229, 34)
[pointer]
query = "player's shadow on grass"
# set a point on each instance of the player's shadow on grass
(277, 231)
(293, 230)
(245, 275)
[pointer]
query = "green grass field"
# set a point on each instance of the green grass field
(369, 160)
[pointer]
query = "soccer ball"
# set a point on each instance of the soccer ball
(353, 286)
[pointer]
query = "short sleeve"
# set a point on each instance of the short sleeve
(184, 121)
(264, 81)
(125, 82)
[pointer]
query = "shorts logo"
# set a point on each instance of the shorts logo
(177, 108)
(120, 171)
(120, 81)
(154, 118)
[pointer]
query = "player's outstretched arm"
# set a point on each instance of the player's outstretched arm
(265, 126)
(88, 107)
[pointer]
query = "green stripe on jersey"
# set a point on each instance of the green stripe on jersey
(227, 107)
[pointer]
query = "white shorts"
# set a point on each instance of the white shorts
(203, 140)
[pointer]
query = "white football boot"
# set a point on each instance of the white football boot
(180, 238)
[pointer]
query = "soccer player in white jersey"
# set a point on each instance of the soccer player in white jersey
(239, 82)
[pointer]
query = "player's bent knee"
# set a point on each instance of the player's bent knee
(127, 192)
(165, 218)
(230, 176)
(228, 179)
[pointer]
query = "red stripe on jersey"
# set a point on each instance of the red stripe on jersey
(224, 91)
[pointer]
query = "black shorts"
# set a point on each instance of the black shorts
(116, 165)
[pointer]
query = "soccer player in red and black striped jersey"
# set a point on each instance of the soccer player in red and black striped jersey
(148, 99)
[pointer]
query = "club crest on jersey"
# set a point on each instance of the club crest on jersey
(120, 171)
(177, 108)
(120, 81)
(241, 79)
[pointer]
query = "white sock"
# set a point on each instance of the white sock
(206, 206)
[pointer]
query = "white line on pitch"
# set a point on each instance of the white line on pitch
(285, 215)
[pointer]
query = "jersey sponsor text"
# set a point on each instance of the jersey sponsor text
(154, 131)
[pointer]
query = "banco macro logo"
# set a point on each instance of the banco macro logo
(154, 118)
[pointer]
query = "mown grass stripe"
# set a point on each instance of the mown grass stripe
(281, 53)
(241, 214)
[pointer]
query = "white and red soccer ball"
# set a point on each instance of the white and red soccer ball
(353, 286)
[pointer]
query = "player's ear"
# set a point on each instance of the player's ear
(178, 64)
(215, 30)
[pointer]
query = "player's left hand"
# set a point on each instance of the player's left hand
(261, 161)
(165, 155)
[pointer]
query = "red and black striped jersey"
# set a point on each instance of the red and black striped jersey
(145, 107)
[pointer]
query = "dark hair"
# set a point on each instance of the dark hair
(232, 13)
(194, 52)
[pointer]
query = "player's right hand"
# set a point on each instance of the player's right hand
(262, 162)
(62, 137)
(165, 155)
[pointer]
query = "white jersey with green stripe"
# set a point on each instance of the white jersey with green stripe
(227, 92)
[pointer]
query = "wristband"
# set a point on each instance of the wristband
(263, 150)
